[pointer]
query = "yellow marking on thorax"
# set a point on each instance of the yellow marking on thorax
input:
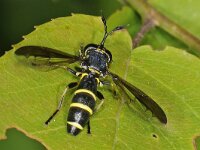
(93, 70)
(85, 107)
(85, 91)
(75, 124)
(101, 50)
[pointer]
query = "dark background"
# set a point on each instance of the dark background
(18, 17)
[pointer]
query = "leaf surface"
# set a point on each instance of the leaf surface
(170, 77)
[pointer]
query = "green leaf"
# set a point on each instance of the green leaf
(184, 13)
(170, 77)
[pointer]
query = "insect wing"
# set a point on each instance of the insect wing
(142, 97)
(46, 58)
(39, 51)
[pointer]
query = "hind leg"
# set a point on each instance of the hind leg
(69, 86)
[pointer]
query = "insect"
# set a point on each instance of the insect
(94, 67)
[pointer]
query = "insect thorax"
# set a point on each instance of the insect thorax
(96, 59)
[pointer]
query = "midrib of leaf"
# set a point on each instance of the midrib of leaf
(120, 107)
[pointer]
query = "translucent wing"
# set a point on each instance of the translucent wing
(43, 52)
(142, 97)
(44, 57)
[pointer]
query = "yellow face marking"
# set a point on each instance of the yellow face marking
(75, 124)
(98, 49)
(85, 107)
(85, 91)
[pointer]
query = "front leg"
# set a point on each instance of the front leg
(76, 73)
(72, 71)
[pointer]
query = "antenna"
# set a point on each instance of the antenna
(108, 33)
(105, 34)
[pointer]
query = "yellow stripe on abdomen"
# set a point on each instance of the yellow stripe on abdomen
(85, 107)
(75, 124)
(85, 91)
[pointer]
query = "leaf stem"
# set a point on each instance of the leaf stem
(145, 28)
(148, 12)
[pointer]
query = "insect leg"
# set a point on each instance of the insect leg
(69, 86)
(88, 127)
(122, 90)
(114, 91)
(117, 87)
(76, 73)
(113, 88)
(71, 71)
(101, 97)
(78, 69)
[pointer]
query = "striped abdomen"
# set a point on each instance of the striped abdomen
(82, 106)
